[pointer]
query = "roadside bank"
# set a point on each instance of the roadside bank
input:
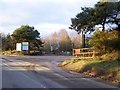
(105, 70)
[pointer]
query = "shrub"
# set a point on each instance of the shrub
(85, 69)
(110, 56)
(105, 42)
(14, 52)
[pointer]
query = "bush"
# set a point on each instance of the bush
(14, 52)
(110, 56)
(105, 42)
(74, 60)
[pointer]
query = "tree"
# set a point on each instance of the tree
(58, 42)
(27, 33)
(105, 41)
(83, 22)
(6, 42)
(104, 12)
(9, 45)
(76, 40)
(54, 42)
(54, 39)
(46, 44)
(114, 17)
(65, 43)
(3, 44)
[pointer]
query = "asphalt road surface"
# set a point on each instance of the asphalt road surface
(43, 72)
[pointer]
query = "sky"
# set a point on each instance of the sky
(47, 16)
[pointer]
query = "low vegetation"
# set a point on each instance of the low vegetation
(20, 53)
(105, 66)
(102, 69)
(12, 52)
(105, 42)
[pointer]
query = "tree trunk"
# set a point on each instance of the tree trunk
(83, 40)
(119, 27)
(103, 26)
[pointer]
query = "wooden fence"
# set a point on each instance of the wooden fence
(85, 53)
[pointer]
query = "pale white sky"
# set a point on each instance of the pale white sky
(46, 16)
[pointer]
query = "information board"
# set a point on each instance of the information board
(25, 46)
(18, 46)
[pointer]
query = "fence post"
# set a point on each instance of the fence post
(73, 52)
(93, 54)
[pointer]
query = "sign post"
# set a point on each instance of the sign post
(25, 47)
(18, 47)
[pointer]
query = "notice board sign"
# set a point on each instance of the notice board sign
(25, 45)
(18, 46)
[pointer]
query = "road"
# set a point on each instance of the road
(43, 72)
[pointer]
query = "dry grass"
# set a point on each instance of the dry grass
(107, 70)
(14, 52)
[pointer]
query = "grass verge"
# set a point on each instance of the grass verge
(106, 70)
(14, 53)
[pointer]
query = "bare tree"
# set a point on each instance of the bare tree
(64, 41)
(76, 39)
